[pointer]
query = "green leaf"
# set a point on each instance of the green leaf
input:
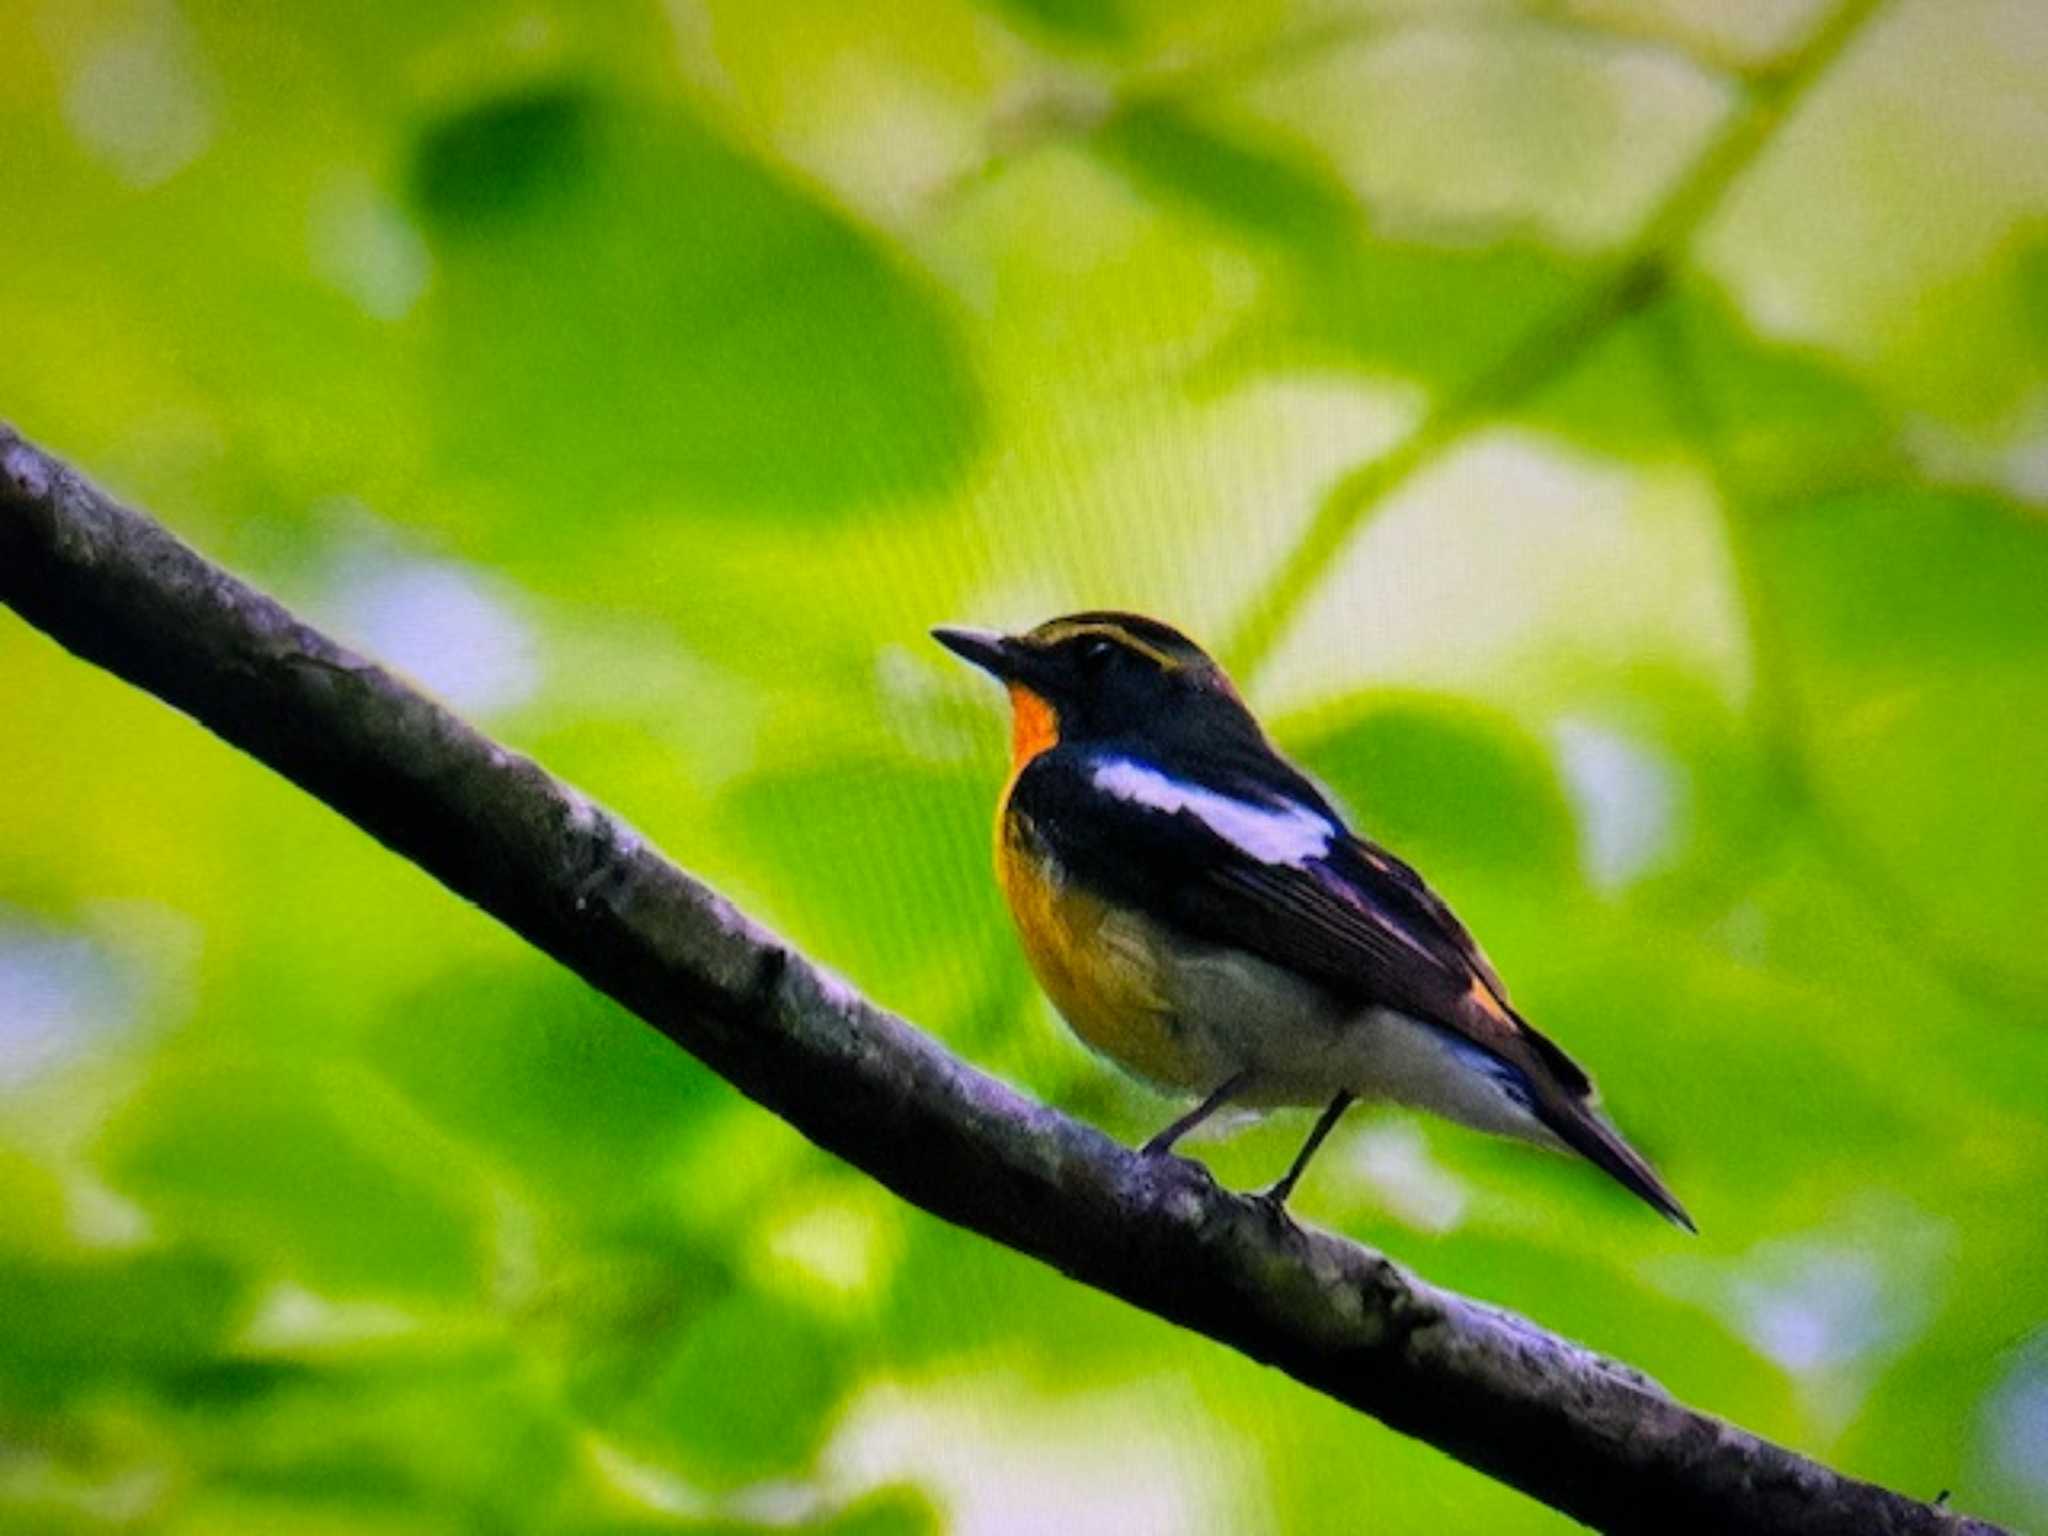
(31, 1203)
(568, 1090)
(71, 1324)
(1225, 178)
(885, 1512)
(881, 868)
(482, 1444)
(1918, 649)
(506, 157)
(1792, 420)
(619, 1305)
(257, 1162)
(1447, 784)
(1443, 316)
(747, 1395)
(630, 309)
(1085, 23)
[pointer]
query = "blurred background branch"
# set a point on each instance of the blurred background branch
(1549, 349)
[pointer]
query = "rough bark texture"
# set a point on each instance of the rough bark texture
(1586, 1435)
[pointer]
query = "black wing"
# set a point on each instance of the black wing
(1352, 917)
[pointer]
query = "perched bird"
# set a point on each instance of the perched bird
(1199, 912)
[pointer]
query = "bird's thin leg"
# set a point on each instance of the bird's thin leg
(1277, 1195)
(1164, 1141)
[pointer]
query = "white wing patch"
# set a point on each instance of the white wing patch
(1272, 834)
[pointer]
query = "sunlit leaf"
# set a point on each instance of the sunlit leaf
(747, 1393)
(1254, 189)
(257, 1163)
(877, 877)
(1438, 782)
(631, 309)
(1919, 656)
(72, 1324)
(1092, 23)
(573, 1094)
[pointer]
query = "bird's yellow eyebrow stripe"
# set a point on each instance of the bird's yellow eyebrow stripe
(1122, 637)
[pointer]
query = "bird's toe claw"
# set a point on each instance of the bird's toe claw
(1274, 1203)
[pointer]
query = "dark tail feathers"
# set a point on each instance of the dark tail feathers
(1579, 1125)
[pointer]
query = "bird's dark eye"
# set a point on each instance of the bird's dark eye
(1096, 653)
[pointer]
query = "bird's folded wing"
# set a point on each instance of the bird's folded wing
(1230, 859)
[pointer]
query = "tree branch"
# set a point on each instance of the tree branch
(1590, 1437)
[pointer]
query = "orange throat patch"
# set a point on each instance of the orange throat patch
(1034, 727)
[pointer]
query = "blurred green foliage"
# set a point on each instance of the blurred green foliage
(646, 378)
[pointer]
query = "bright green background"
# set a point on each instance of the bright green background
(647, 379)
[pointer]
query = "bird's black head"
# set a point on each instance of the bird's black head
(1101, 675)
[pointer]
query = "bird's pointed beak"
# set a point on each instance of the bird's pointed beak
(995, 653)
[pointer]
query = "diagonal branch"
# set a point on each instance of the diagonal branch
(1582, 1433)
(1071, 108)
(1551, 347)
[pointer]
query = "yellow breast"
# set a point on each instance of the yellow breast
(1100, 968)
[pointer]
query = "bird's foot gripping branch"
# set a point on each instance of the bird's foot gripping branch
(1585, 1435)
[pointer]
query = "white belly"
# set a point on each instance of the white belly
(1304, 1048)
